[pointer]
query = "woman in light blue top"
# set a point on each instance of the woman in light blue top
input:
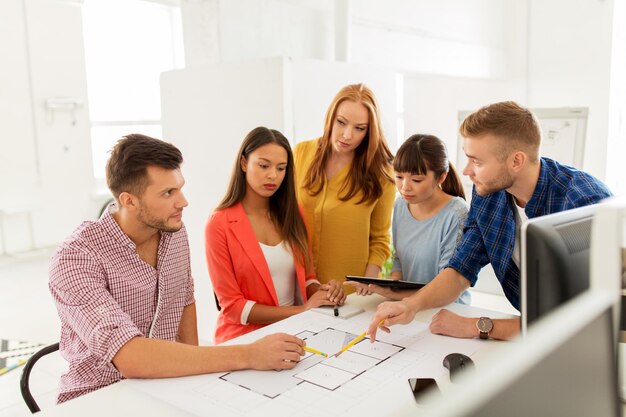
(428, 215)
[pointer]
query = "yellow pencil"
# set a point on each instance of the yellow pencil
(317, 352)
(349, 345)
(12, 367)
(355, 341)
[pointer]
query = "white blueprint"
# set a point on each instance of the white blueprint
(368, 378)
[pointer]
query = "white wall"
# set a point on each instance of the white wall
(231, 31)
(18, 139)
(452, 37)
(15, 102)
(201, 32)
(46, 165)
(616, 147)
(569, 62)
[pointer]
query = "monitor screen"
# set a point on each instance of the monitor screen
(565, 366)
(555, 261)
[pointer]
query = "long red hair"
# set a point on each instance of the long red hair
(371, 166)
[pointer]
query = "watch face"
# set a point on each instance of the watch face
(484, 324)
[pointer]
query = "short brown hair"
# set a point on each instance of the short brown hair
(515, 125)
(127, 167)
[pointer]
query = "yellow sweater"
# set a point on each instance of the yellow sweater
(345, 236)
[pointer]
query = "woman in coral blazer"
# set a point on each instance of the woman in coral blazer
(257, 244)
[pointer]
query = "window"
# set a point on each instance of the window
(128, 43)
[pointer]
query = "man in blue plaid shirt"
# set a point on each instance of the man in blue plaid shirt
(511, 185)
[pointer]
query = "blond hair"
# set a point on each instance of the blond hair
(515, 126)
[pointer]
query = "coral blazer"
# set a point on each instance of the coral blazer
(239, 271)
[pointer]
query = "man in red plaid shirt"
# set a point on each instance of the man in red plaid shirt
(123, 286)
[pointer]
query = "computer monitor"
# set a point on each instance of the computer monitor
(555, 261)
(608, 267)
(608, 261)
(565, 366)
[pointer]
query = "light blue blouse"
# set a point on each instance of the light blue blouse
(424, 247)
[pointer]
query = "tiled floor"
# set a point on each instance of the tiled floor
(43, 384)
(28, 313)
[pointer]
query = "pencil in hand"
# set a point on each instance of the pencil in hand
(355, 341)
(317, 352)
(349, 345)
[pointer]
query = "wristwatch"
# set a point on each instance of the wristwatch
(484, 326)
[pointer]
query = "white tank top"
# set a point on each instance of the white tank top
(283, 271)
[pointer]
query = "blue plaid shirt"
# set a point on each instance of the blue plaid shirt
(489, 232)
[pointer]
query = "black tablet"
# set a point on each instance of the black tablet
(391, 283)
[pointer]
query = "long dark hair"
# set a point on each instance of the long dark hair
(372, 159)
(421, 153)
(284, 210)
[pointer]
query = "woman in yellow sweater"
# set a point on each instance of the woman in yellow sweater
(345, 188)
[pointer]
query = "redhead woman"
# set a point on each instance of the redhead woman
(346, 189)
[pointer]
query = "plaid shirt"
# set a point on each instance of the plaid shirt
(489, 232)
(106, 295)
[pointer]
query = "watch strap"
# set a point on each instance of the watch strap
(483, 332)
